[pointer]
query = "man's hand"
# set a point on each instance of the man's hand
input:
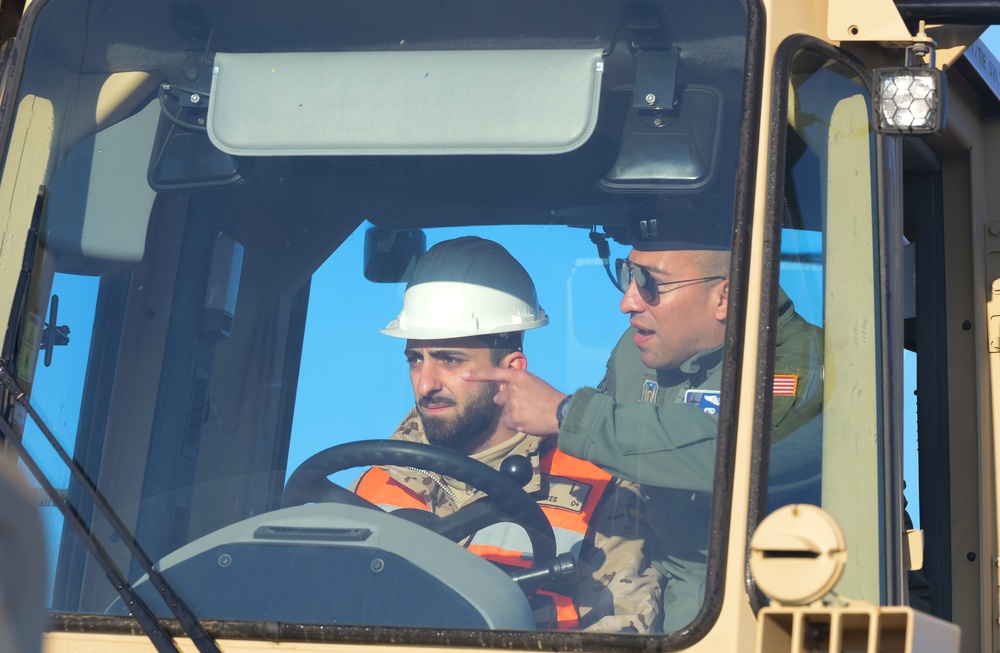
(529, 404)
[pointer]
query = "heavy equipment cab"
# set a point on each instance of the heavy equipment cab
(210, 208)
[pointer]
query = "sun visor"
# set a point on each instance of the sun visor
(386, 103)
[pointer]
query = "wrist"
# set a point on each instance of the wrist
(561, 410)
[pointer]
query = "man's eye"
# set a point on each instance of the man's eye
(450, 360)
(413, 361)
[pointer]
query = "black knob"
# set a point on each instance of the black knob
(518, 469)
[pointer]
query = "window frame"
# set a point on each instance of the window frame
(888, 360)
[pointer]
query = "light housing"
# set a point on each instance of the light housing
(911, 99)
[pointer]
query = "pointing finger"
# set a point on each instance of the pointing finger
(492, 374)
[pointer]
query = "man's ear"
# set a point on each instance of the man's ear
(515, 361)
(722, 301)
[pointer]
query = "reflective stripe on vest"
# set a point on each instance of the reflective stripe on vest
(574, 488)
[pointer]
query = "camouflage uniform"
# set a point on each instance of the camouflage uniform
(618, 590)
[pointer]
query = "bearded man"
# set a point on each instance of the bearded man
(466, 307)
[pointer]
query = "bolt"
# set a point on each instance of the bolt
(971, 556)
(650, 99)
(191, 74)
(994, 229)
(966, 325)
(658, 122)
(195, 98)
(377, 565)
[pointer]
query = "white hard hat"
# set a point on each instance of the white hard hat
(468, 286)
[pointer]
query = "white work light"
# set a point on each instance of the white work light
(910, 100)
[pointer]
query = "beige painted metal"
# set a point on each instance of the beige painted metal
(991, 526)
(797, 554)
(914, 550)
(851, 390)
(865, 20)
(736, 623)
(30, 142)
(973, 524)
(100, 643)
(798, 620)
(854, 627)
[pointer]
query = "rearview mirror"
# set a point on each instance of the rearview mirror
(670, 149)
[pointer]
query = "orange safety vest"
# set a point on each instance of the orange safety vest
(575, 487)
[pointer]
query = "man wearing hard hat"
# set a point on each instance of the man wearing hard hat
(466, 307)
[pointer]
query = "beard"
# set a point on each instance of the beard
(472, 424)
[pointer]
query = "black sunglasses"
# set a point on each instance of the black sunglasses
(648, 287)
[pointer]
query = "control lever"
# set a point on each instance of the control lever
(561, 570)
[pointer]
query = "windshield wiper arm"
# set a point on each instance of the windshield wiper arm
(149, 623)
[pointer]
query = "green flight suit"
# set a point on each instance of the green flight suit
(658, 428)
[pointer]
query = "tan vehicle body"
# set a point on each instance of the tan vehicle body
(967, 155)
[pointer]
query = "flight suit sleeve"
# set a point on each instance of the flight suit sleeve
(670, 446)
(618, 592)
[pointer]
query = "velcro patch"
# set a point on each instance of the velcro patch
(707, 400)
(566, 493)
(650, 389)
(786, 385)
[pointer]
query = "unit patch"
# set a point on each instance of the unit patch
(707, 400)
(650, 389)
(566, 493)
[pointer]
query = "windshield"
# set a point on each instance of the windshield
(231, 201)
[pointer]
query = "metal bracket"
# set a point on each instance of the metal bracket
(655, 75)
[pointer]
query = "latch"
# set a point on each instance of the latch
(992, 259)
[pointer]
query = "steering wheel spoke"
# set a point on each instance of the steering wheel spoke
(473, 517)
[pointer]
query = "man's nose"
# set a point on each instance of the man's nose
(427, 381)
(631, 301)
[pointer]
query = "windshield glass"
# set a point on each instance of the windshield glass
(235, 198)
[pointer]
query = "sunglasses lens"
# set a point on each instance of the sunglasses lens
(624, 274)
(645, 284)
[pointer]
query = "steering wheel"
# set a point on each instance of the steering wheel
(505, 500)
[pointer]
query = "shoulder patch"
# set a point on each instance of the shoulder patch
(707, 400)
(786, 385)
(566, 493)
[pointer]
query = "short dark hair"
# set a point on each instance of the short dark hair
(503, 344)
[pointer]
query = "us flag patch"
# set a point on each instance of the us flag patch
(786, 385)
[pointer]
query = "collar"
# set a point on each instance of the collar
(529, 446)
(694, 370)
